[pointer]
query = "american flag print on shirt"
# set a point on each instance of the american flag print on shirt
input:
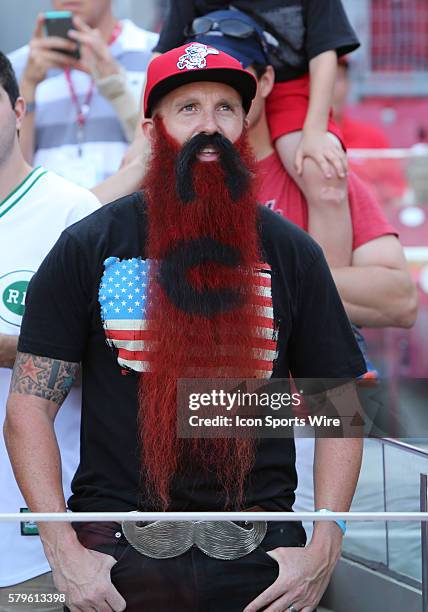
(124, 300)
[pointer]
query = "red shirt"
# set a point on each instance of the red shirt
(362, 135)
(278, 191)
(385, 176)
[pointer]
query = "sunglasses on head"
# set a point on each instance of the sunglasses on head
(229, 27)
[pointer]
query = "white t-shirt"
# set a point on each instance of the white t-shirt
(31, 219)
(104, 142)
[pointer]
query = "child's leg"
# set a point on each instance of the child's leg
(329, 218)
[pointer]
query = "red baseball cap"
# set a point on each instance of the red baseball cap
(196, 62)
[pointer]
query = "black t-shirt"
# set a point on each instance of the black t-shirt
(63, 320)
(303, 29)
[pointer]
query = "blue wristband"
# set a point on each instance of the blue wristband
(338, 522)
(30, 107)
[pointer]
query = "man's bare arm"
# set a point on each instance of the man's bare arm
(377, 290)
(49, 379)
(38, 388)
(335, 488)
(8, 345)
(130, 175)
(304, 573)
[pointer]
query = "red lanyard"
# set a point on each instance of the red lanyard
(117, 30)
(82, 111)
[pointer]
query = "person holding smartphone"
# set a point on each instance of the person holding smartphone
(81, 106)
(29, 210)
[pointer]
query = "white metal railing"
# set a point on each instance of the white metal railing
(396, 177)
(212, 516)
(417, 151)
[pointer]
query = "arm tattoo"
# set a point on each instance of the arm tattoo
(48, 378)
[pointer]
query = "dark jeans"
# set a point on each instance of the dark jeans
(192, 582)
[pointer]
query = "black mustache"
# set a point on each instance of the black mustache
(236, 174)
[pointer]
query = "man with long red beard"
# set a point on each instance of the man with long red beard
(187, 278)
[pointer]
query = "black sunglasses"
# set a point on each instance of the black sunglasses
(229, 27)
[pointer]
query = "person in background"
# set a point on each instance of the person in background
(385, 177)
(35, 206)
(82, 113)
(303, 40)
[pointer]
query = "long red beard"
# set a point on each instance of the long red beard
(192, 345)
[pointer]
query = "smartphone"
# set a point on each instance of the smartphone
(58, 23)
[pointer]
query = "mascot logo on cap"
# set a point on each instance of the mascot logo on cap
(195, 56)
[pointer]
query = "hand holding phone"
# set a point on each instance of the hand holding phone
(95, 51)
(59, 23)
(45, 53)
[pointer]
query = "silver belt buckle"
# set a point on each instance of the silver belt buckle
(221, 540)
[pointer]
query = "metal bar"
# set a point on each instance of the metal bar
(424, 540)
(399, 85)
(403, 445)
(411, 153)
(417, 254)
(211, 516)
(384, 503)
